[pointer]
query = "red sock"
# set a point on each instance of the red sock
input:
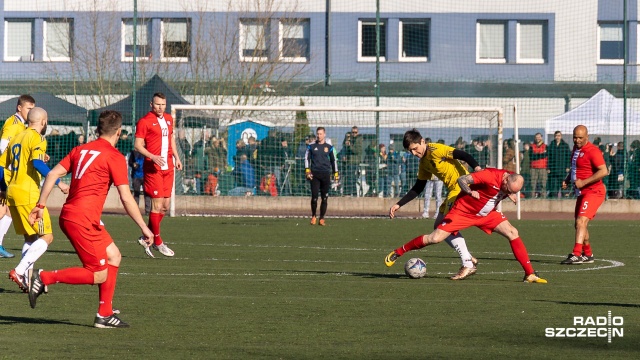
(577, 249)
(520, 252)
(414, 244)
(73, 276)
(587, 250)
(154, 225)
(106, 290)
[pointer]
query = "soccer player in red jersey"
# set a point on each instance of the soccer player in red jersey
(93, 168)
(481, 193)
(155, 141)
(587, 170)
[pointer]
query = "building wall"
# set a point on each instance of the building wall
(572, 37)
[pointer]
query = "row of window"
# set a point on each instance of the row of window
(492, 45)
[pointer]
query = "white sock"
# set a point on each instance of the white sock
(458, 243)
(25, 247)
(5, 223)
(35, 251)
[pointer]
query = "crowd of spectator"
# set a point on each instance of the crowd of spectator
(271, 167)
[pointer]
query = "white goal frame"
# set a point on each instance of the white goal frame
(499, 111)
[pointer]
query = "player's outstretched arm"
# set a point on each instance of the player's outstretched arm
(413, 193)
(132, 209)
(50, 181)
(466, 157)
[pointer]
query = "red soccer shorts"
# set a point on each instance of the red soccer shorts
(588, 204)
(457, 221)
(90, 244)
(158, 183)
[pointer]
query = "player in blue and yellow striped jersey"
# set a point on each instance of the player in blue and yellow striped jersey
(14, 125)
(24, 166)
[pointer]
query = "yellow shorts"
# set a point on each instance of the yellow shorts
(448, 202)
(20, 215)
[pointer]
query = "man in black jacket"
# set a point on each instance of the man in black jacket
(559, 163)
(320, 163)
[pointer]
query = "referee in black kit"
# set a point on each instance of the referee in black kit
(320, 163)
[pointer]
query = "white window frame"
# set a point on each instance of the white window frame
(607, 61)
(6, 39)
(301, 59)
(123, 24)
(242, 24)
(545, 31)
(45, 30)
(506, 50)
(369, 58)
(189, 41)
(403, 58)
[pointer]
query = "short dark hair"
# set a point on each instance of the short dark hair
(159, 95)
(320, 128)
(557, 132)
(411, 137)
(109, 122)
(25, 98)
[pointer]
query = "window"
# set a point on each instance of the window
(294, 40)
(367, 40)
(18, 40)
(58, 39)
(143, 43)
(414, 40)
(176, 39)
(532, 42)
(610, 43)
(491, 40)
(254, 40)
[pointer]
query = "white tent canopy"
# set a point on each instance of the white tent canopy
(602, 114)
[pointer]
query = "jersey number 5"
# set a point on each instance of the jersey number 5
(81, 168)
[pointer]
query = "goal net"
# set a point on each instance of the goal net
(232, 153)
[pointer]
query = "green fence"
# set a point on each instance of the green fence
(559, 63)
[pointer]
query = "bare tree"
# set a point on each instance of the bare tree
(246, 53)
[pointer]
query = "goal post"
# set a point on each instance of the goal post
(234, 151)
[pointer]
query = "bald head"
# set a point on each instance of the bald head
(580, 136)
(512, 183)
(36, 115)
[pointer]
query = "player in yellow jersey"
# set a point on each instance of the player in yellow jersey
(14, 125)
(443, 162)
(24, 166)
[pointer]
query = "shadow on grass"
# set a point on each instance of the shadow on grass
(12, 320)
(607, 304)
(345, 273)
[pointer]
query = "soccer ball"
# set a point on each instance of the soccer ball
(415, 268)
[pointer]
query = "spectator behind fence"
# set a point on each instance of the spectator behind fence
(352, 155)
(284, 184)
(395, 168)
(525, 169)
(54, 147)
(124, 144)
(539, 165)
(509, 155)
(559, 164)
(634, 170)
(616, 177)
(136, 162)
(269, 156)
(217, 156)
(383, 173)
(244, 176)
